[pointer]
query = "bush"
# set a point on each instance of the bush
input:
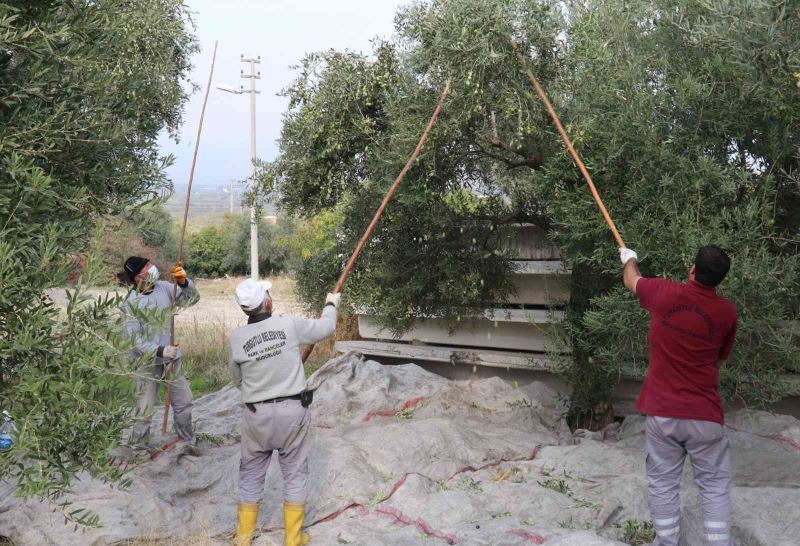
(223, 249)
(206, 249)
(154, 224)
(147, 231)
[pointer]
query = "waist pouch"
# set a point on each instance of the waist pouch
(305, 397)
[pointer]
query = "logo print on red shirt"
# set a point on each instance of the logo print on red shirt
(672, 318)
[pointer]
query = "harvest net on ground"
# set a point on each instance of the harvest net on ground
(402, 456)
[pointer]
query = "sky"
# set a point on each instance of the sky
(281, 32)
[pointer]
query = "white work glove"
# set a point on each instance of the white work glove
(333, 299)
(626, 254)
(170, 352)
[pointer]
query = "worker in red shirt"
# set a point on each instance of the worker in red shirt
(691, 334)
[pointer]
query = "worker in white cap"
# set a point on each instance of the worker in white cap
(266, 365)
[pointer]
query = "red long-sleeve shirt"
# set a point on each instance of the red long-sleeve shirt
(691, 329)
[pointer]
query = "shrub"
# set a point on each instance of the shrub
(206, 250)
(148, 230)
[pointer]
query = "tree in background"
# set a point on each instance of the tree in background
(274, 252)
(156, 227)
(206, 249)
(685, 112)
(85, 89)
(223, 249)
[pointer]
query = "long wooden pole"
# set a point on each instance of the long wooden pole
(570, 148)
(368, 233)
(165, 420)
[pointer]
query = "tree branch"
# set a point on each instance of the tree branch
(533, 161)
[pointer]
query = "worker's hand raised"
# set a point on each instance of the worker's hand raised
(626, 254)
(179, 274)
(333, 299)
(170, 352)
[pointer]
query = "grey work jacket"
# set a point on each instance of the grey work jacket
(265, 356)
(147, 317)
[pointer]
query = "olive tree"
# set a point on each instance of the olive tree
(85, 89)
(686, 114)
(354, 119)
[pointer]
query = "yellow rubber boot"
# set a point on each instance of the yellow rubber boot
(247, 516)
(293, 515)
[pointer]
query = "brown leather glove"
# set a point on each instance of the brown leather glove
(179, 274)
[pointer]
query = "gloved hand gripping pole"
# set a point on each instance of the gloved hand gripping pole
(365, 238)
(168, 375)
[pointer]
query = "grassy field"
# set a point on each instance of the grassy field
(283, 288)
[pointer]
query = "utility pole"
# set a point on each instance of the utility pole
(252, 76)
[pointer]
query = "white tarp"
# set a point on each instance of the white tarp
(404, 457)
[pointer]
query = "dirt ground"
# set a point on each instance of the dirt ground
(217, 305)
(203, 329)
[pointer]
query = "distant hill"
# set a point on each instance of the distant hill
(207, 201)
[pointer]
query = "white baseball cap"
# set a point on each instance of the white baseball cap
(250, 294)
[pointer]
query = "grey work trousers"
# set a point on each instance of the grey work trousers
(275, 426)
(180, 396)
(668, 441)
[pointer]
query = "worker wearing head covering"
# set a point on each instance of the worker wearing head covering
(147, 310)
(266, 365)
(691, 334)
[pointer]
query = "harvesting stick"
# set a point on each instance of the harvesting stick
(183, 235)
(365, 238)
(570, 147)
